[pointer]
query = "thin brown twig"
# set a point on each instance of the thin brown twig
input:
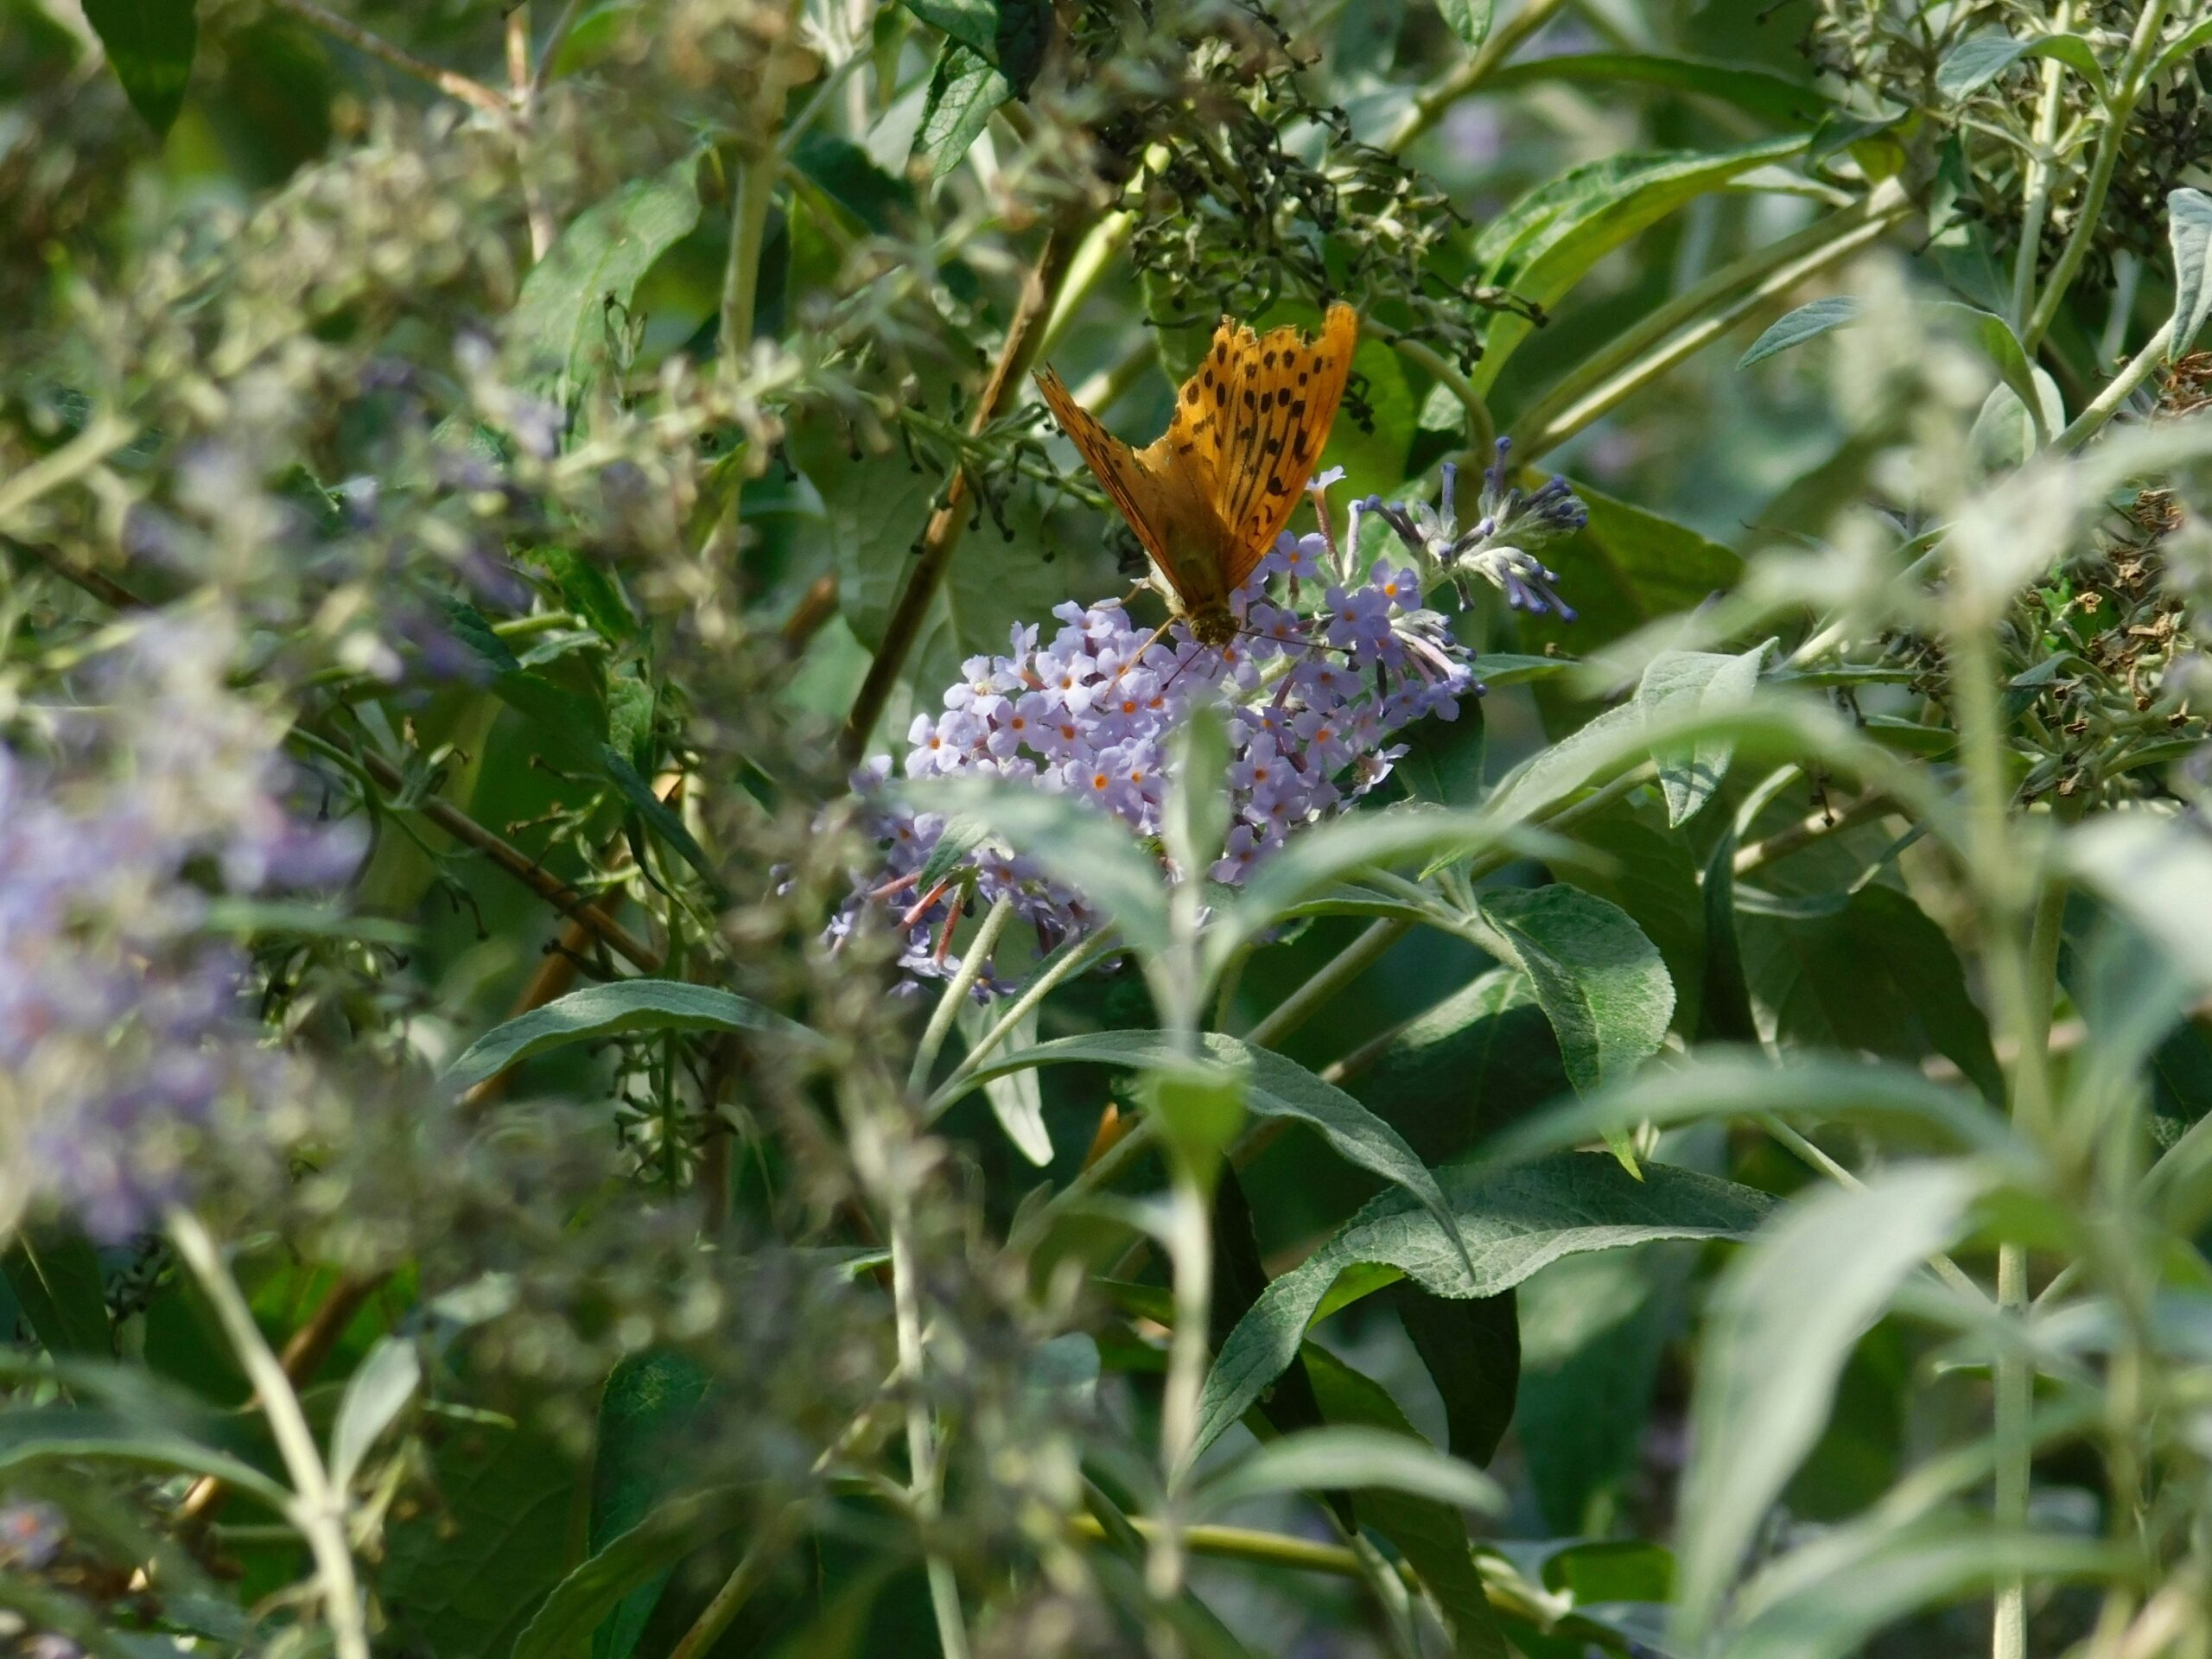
(518, 864)
(942, 536)
(449, 82)
(105, 588)
(815, 608)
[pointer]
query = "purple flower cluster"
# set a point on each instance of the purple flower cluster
(120, 1029)
(1329, 662)
(1499, 546)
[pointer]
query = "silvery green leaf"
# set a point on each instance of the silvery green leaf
(1325, 1459)
(1808, 321)
(1784, 1317)
(1701, 680)
(2188, 228)
(376, 1394)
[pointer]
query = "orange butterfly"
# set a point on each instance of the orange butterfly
(1209, 498)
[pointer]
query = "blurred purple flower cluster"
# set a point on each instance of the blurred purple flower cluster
(1331, 662)
(121, 1028)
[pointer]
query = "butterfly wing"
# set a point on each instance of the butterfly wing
(1275, 398)
(1112, 461)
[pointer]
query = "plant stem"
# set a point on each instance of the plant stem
(2036, 182)
(304, 1353)
(1347, 965)
(942, 536)
(736, 1590)
(448, 81)
(2108, 402)
(1696, 300)
(972, 963)
(921, 1431)
(1071, 962)
(1557, 420)
(1086, 265)
(522, 95)
(1482, 430)
(1429, 105)
(1189, 1259)
(319, 1511)
(2127, 88)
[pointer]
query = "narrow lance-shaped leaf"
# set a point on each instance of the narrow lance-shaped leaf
(598, 1011)
(1513, 1221)
(1274, 1086)
(1702, 680)
(1807, 322)
(1786, 1314)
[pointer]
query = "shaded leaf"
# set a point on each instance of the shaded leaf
(54, 1273)
(1764, 93)
(1704, 680)
(1273, 1087)
(598, 1011)
(1482, 1058)
(1513, 1222)
(1432, 1536)
(1472, 1350)
(558, 328)
(150, 45)
(1319, 1459)
(645, 1414)
(1601, 983)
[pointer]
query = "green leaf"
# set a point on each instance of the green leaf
(1830, 1599)
(1195, 822)
(1593, 1328)
(1079, 845)
(1472, 1351)
(600, 1011)
(1443, 759)
(1600, 983)
(150, 45)
(1807, 322)
(1727, 999)
(1721, 1082)
(1980, 59)
(846, 174)
(55, 1275)
(1761, 91)
(2188, 228)
(462, 1577)
(1784, 1318)
(1513, 1221)
(645, 1414)
(2006, 355)
(2184, 46)
(1483, 1057)
(1704, 680)
(964, 89)
(1016, 1099)
(1637, 862)
(376, 1394)
(1468, 19)
(1348, 1458)
(1273, 1087)
(1865, 971)
(1432, 1536)
(586, 1597)
(558, 329)
(36, 1436)
(1545, 242)
(660, 817)
(589, 590)
(1623, 570)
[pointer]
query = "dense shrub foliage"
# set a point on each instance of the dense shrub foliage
(651, 1004)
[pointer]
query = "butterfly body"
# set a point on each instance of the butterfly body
(1209, 498)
